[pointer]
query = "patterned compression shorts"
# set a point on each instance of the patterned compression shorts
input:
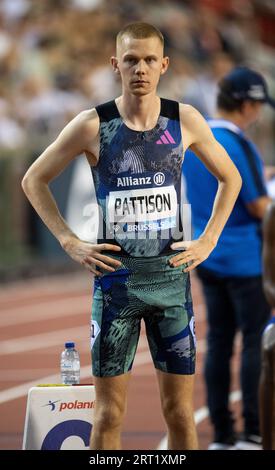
(151, 289)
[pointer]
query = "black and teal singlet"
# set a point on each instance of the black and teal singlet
(138, 187)
(138, 182)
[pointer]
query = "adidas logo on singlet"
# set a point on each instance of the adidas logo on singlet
(165, 138)
(158, 179)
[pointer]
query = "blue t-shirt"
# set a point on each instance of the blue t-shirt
(238, 251)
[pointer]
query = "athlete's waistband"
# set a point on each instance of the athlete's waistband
(143, 264)
(164, 251)
(122, 252)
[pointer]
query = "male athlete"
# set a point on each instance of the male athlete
(135, 146)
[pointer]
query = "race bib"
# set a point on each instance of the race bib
(140, 205)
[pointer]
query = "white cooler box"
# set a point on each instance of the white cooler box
(59, 417)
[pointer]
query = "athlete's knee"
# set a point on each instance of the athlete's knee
(177, 414)
(109, 416)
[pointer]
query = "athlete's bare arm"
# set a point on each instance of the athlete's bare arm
(269, 254)
(77, 137)
(199, 138)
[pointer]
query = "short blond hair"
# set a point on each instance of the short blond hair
(140, 31)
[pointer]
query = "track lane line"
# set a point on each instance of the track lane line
(22, 390)
(46, 310)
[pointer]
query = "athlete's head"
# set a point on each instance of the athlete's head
(139, 58)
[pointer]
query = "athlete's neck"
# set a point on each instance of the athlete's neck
(139, 112)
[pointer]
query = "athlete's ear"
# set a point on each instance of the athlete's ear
(164, 65)
(114, 63)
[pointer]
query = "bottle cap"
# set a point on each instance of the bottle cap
(70, 344)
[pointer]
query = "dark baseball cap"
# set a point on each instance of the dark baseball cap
(243, 83)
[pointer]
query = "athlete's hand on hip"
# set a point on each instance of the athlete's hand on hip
(194, 252)
(90, 256)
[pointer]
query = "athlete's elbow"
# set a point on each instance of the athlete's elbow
(29, 182)
(25, 183)
(233, 181)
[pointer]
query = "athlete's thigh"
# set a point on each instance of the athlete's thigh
(175, 389)
(170, 328)
(111, 392)
(115, 327)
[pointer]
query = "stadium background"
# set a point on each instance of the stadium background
(54, 62)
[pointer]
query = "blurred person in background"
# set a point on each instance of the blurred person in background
(135, 148)
(232, 275)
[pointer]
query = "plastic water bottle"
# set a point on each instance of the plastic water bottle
(70, 365)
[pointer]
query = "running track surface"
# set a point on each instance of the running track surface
(38, 316)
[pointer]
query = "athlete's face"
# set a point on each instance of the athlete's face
(140, 63)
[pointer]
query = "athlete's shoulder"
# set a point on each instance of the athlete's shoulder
(87, 121)
(87, 116)
(83, 127)
(84, 118)
(170, 109)
(189, 113)
(192, 120)
(107, 111)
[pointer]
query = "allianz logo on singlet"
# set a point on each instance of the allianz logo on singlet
(158, 179)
